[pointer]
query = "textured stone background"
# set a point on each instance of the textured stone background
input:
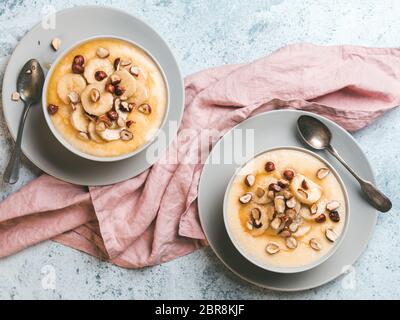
(204, 34)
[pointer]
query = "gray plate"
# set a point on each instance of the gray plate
(74, 25)
(275, 129)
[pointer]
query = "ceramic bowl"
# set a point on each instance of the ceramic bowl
(59, 136)
(288, 269)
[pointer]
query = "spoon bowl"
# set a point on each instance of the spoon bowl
(29, 86)
(314, 132)
(318, 136)
(30, 82)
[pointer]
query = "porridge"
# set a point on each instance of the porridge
(285, 208)
(106, 97)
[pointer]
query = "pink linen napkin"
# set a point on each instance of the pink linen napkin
(153, 217)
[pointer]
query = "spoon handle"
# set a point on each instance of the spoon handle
(11, 174)
(374, 196)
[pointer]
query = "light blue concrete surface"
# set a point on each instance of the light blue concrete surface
(203, 34)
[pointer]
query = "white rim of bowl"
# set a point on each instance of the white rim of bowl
(297, 269)
(67, 144)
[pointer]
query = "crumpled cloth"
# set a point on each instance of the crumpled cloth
(153, 217)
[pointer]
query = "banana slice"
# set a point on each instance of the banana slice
(128, 82)
(78, 119)
(102, 106)
(110, 134)
(92, 132)
(305, 190)
(302, 231)
(68, 83)
(306, 213)
(97, 64)
(141, 94)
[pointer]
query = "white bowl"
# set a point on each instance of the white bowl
(288, 269)
(59, 136)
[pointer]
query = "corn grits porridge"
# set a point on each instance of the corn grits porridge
(285, 208)
(106, 97)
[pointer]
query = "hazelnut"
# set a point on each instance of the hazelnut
(275, 223)
(52, 109)
(94, 95)
(109, 88)
(124, 106)
(280, 205)
(56, 43)
(334, 216)
(79, 60)
(246, 198)
(117, 103)
(78, 69)
(15, 96)
(135, 71)
(322, 173)
(291, 203)
(285, 233)
(288, 174)
(315, 244)
(113, 115)
(126, 135)
(145, 108)
(255, 213)
(274, 187)
(269, 166)
(331, 235)
(249, 180)
(314, 208)
(291, 243)
(117, 63)
(283, 183)
(131, 106)
(272, 248)
(102, 52)
(321, 218)
(73, 97)
(304, 185)
(333, 205)
(260, 192)
(100, 75)
(115, 79)
(119, 91)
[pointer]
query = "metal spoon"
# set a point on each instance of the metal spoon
(318, 136)
(29, 86)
